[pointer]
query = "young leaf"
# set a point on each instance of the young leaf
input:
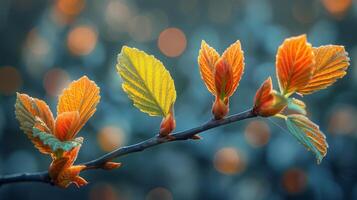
(65, 125)
(62, 171)
(146, 81)
(294, 64)
(207, 59)
(297, 105)
(54, 143)
(223, 79)
(81, 96)
(234, 57)
(331, 64)
(27, 109)
(308, 134)
(221, 74)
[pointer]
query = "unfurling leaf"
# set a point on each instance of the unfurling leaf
(297, 106)
(221, 74)
(63, 172)
(207, 59)
(54, 143)
(267, 102)
(146, 81)
(294, 64)
(81, 96)
(308, 134)
(26, 111)
(331, 64)
(234, 57)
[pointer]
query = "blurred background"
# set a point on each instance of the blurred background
(45, 44)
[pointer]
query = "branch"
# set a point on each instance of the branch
(156, 140)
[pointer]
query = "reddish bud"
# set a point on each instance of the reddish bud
(168, 124)
(111, 165)
(220, 109)
(267, 102)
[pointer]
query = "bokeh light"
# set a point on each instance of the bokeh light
(257, 133)
(10, 80)
(228, 161)
(37, 53)
(67, 10)
(294, 180)
(172, 42)
(55, 80)
(103, 191)
(81, 40)
(342, 120)
(337, 7)
(110, 138)
(220, 11)
(117, 16)
(159, 193)
(140, 28)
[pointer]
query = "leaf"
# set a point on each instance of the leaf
(297, 105)
(294, 64)
(331, 64)
(81, 96)
(71, 175)
(62, 171)
(207, 59)
(308, 134)
(221, 74)
(54, 143)
(26, 111)
(234, 57)
(223, 79)
(146, 81)
(65, 125)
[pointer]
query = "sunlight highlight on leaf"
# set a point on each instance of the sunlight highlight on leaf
(294, 64)
(207, 59)
(81, 96)
(331, 64)
(146, 81)
(26, 111)
(308, 134)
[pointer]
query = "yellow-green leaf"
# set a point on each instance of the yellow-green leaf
(146, 81)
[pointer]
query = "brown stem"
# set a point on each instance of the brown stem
(156, 140)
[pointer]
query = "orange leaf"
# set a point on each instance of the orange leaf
(62, 171)
(234, 57)
(223, 79)
(267, 102)
(207, 59)
(331, 64)
(65, 125)
(71, 175)
(27, 109)
(57, 166)
(81, 96)
(294, 64)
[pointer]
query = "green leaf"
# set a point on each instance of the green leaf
(308, 134)
(146, 81)
(297, 105)
(54, 143)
